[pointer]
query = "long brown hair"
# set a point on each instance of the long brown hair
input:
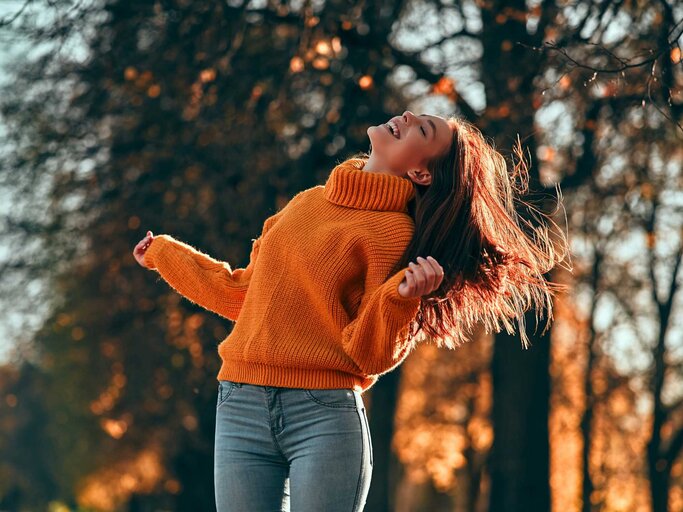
(494, 260)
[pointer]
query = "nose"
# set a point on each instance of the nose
(407, 115)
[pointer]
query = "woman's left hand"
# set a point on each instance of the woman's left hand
(421, 279)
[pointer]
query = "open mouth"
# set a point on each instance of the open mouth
(393, 129)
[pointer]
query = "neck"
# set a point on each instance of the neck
(375, 164)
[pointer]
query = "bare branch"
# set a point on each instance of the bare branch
(11, 18)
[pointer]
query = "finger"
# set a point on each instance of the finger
(141, 246)
(440, 277)
(436, 272)
(430, 274)
(435, 264)
(410, 281)
(439, 271)
(418, 274)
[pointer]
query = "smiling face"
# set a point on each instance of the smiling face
(406, 153)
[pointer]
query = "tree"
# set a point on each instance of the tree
(153, 115)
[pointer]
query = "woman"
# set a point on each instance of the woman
(340, 285)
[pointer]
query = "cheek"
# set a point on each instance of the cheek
(381, 137)
(407, 149)
(399, 156)
(398, 153)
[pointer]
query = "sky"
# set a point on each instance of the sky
(8, 50)
(12, 48)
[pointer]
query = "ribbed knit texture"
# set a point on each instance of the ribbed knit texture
(316, 306)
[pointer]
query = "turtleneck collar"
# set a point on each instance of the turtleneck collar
(348, 185)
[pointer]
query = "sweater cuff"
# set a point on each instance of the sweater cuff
(407, 304)
(157, 245)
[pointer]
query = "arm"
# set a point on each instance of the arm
(203, 280)
(373, 339)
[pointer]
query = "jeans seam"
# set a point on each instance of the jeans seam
(332, 406)
(367, 424)
(222, 398)
(362, 465)
(270, 425)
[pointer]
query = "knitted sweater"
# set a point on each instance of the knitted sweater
(316, 306)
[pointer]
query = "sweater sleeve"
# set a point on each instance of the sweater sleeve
(210, 283)
(373, 339)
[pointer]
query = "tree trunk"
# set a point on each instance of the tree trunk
(519, 463)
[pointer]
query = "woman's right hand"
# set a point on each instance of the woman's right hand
(141, 248)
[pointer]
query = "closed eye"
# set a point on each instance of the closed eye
(423, 130)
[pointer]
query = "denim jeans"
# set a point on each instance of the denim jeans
(279, 449)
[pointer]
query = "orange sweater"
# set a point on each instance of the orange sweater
(315, 307)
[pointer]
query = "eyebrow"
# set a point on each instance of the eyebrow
(433, 126)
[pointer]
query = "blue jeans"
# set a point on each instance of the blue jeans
(280, 449)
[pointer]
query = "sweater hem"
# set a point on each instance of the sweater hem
(281, 376)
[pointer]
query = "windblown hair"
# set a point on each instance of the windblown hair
(494, 259)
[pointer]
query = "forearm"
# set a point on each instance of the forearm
(198, 277)
(372, 339)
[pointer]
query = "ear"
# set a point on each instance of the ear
(420, 176)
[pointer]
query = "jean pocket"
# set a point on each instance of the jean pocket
(225, 389)
(336, 398)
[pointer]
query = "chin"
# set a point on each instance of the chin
(373, 135)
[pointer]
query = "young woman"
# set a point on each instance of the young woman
(417, 239)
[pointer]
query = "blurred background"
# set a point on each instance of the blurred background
(201, 118)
